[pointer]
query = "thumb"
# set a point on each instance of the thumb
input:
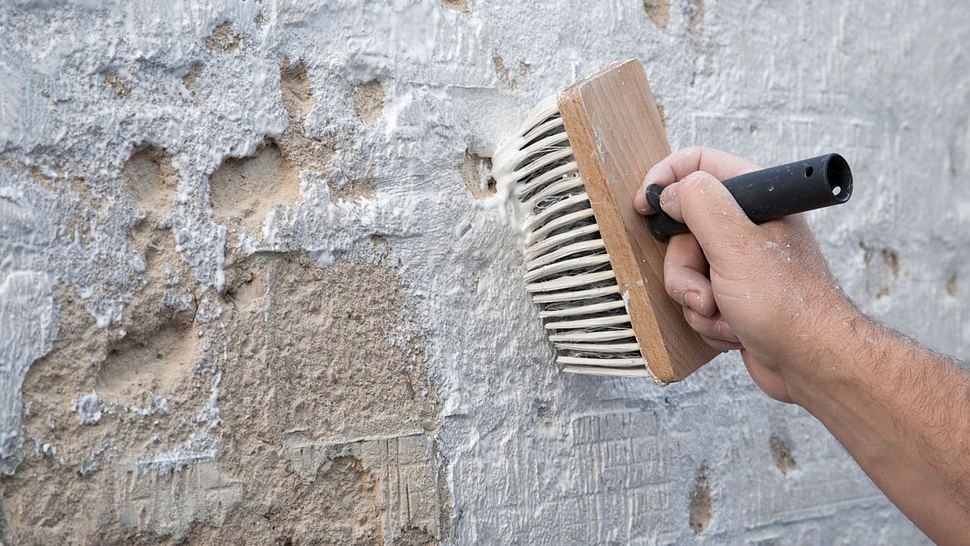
(711, 212)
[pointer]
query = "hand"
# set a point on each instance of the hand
(765, 290)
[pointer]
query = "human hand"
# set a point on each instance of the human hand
(765, 290)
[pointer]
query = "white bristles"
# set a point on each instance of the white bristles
(576, 295)
(562, 221)
(600, 347)
(568, 267)
(608, 320)
(556, 240)
(620, 372)
(583, 309)
(571, 281)
(554, 211)
(601, 361)
(568, 250)
(583, 262)
(602, 335)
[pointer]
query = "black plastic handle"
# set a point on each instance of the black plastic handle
(771, 193)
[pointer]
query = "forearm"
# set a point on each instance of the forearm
(903, 413)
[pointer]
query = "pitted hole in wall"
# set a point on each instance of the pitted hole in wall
(457, 5)
(880, 274)
(153, 362)
(658, 11)
(297, 98)
(55, 182)
(244, 190)
(866, 253)
(151, 180)
(303, 152)
(699, 507)
(506, 74)
(695, 11)
(503, 72)
(190, 77)
(117, 86)
(380, 242)
(324, 353)
(223, 39)
(247, 293)
(476, 170)
(952, 285)
(892, 260)
(781, 452)
(368, 101)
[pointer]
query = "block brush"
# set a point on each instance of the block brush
(592, 266)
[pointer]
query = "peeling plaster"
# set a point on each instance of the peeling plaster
(526, 454)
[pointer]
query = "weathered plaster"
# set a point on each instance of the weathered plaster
(361, 295)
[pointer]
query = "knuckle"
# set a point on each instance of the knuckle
(698, 182)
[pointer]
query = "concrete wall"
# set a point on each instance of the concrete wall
(249, 290)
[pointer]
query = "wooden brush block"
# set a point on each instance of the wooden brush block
(616, 134)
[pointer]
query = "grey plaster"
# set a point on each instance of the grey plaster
(531, 455)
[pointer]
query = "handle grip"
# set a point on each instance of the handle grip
(771, 193)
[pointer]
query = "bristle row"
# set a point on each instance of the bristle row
(568, 268)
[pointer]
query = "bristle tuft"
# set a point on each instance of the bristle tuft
(568, 267)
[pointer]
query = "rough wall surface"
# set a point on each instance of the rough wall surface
(249, 290)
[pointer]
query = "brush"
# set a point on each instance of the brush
(594, 267)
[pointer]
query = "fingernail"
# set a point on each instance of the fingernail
(693, 299)
(669, 194)
(723, 329)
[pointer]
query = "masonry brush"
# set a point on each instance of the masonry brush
(594, 266)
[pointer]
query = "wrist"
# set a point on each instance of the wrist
(833, 357)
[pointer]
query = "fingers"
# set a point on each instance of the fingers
(710, 211)
(713, 328)
(722, 345)
(685, 275)
(681, 163)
